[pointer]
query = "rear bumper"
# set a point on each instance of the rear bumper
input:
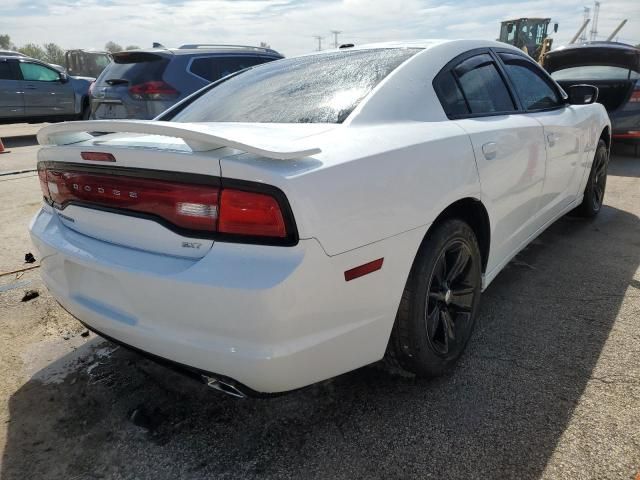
(271, 318)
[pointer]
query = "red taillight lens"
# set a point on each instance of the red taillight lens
(635, 96)
(155, 90)
(42, 176)
(230, 212)
(194, 207)
(252, 214)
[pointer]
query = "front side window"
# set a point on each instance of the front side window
(215, 68)
(319, 88)
(534, 91)
(38, 73)
(482, 86)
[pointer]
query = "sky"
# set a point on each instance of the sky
(289, 26)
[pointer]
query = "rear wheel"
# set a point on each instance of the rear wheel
(86, 110)
(594, 191)
(440, 302)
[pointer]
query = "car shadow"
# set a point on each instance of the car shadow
(499, 414)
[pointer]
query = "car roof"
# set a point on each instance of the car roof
(429, 43)
(194, 49)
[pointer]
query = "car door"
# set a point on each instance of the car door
(45, 92)
(11, 94)
(508, 147)
(565, 129)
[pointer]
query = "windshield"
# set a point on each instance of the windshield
(595, 72)
(323, 88)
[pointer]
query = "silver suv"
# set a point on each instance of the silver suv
(142, 84)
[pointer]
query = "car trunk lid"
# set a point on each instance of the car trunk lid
(153, 186)
(611, 67)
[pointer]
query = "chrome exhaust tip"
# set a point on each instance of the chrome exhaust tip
(223, 387)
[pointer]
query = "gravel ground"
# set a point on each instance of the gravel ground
(548, 388)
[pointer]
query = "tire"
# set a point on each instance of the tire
(425, 340)
(596, 184)
(86, 111)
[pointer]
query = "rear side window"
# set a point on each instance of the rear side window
(215, 68)
(319, 88)
(535, 92)
(482, 86)
(5, 71)
(450, 95)
(134, 68)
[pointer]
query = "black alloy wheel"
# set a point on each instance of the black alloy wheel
(452, 289)
(440, 301)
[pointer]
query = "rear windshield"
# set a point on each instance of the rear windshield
(323, 88)
(135, 68)
(595, 72)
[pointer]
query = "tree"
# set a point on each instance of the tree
(132, 47)
(112, 47)
(5, 42)
(264, 45)
(34, 51)
(53, 53)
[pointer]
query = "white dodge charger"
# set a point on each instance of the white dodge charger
(309, 216)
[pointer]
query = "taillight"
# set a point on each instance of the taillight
(635, 96)
(249, 213)
(203, 208)
(154, 90)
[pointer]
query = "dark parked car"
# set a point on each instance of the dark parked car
(31, 90)
(142, 84)
(612, 67)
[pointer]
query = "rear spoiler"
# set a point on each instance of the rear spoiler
(198, 137)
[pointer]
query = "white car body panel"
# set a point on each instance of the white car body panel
(277, 318)
(509, 150)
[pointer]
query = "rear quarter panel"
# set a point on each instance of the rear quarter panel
(370, 183)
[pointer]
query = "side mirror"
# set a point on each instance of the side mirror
(64, 78)
(509, 27)
(582, 94)
(555, 28)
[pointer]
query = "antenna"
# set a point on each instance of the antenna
(335, 37)
(594, 25)
(319, 38)
(585, 20)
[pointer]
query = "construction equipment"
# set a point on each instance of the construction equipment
(615, 32)
(86, 63)
(528, 34)
(580, 31)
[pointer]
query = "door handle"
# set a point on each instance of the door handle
(490, 149)
(551, 138)
(30, 87)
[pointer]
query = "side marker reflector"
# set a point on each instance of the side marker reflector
(363, 269)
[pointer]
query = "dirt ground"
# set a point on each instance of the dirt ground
(548, 388)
